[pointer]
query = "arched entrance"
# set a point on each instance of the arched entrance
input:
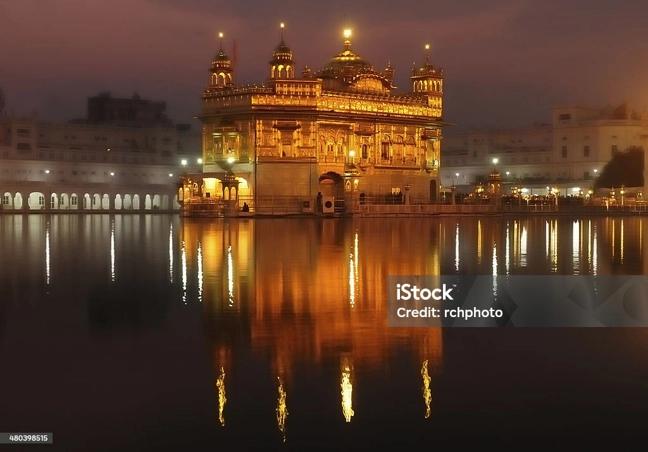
(331, 184)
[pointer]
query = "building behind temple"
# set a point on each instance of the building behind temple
(126, 155)
(567, 153)
(341, 130)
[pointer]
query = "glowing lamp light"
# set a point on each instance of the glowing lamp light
(427, 46)
(230, 160)
(200, 161)
(352, 153)
(170, 175)
(112, 174)
(46, 171)
(281, 25)
(184, 162)
(347, 33)
(220, 35)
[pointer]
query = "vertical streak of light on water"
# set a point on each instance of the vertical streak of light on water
(457, 248)
(230, 276)
(184, 273)
(507, 251)
(171, 254)
(576, 247)
(495, 270)
(351, 281)
(112, 251)
(200, 273)
(47, 252)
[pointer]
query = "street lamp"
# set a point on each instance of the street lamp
(200, 161)
(507, 175)
(351, 156)
(183, 162)
(495, 160)
(457, 176)
(112, 174)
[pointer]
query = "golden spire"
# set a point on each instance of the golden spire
(347, 39)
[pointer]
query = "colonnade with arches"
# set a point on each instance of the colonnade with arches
(86, 200)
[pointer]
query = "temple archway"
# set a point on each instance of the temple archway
(331, 184)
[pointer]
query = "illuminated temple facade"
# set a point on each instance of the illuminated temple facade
(342, 131)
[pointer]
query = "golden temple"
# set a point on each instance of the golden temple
(327, 140)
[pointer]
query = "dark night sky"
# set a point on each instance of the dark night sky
(506, 62)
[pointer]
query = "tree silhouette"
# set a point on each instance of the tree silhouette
(625, 168)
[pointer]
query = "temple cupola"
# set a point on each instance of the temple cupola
(282, 65)
(388, 73)
(427, 81)
(222, 72)
(427, 78)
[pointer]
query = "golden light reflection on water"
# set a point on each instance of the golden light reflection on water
(230, 277)
(576, 241)
(220, 384)
(47, 253)
(171, 248)
(282, 411)
(184, 272)
(347, 389)
(427, 392)
(303, 294)
(112, 250)
(457, 248)
(200, 273)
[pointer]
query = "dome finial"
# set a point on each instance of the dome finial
(347, 39)
(282, 31)
(427, 54)
(220, 36)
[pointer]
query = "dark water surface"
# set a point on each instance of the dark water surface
(148, 332)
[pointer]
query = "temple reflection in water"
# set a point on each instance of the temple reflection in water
(308, 292)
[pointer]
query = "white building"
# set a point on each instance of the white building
(568, 153)
(127, 155)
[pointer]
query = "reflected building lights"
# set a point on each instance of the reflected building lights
(576, 247)
(507, 250)
(47, 252)
(282, 411)
(495, 270)
(351, 281)
(200, 272)
(220, 384)
(621, 241)
(457, 248)
(589, 244)
(347, 390)
(112, 251)
(184, 273)
(547, 240)
(595, 252)
(479, 242)
(613, 240)
(427, 392)
(355, 254)
(230, 276)
(552, 245)
(523, 247)
(171, 254)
